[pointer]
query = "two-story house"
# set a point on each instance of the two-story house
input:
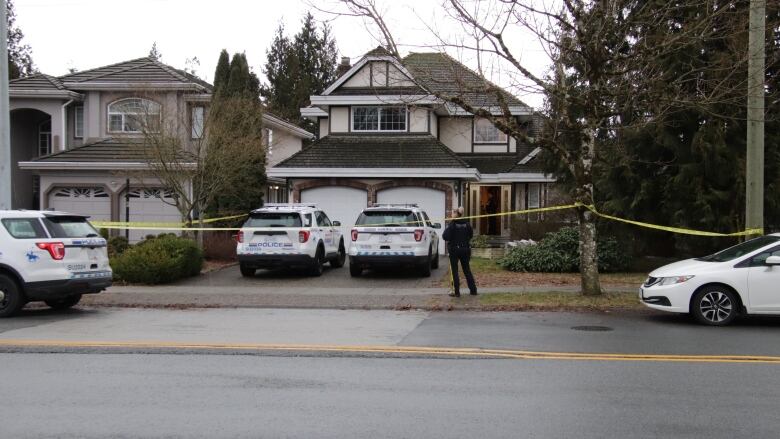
(77, 140)
(385, 138)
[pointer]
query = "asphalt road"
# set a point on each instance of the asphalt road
(188, 388)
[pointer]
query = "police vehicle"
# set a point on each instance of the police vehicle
(289, 235)
(394, 235)
(49, 256)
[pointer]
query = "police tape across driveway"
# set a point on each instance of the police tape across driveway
(679, 230)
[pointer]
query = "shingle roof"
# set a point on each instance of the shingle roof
(138, 70)
(370, 151)
(379, 91)
(378, 51)
(36, 82)
(500, 163)
(109, 150)
(440, 73)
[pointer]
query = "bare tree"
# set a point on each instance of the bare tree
(603, 66)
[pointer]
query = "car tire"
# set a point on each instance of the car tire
(435, 263)
(425, 269)
(64, 303)
(319, 256)
(247, 271)
(355, 270)
(12, 297)
(715, 305)
(338, 262)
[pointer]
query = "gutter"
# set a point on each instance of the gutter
(434, 173)
(65, 125)
(101, 166)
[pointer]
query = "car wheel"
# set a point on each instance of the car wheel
(425, 269)
(247, 271)
(64, 303)
(316, 269)
(435, 263)
(715, 305)
(355, 270)
(11, 298)
(341, 258)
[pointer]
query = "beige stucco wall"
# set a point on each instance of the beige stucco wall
(323, 127)
(482, 148)
(418, 120)
(396, 78)
(361, 78)
(339, 119)
(174, 114)
(282, 146)
(455, 132)
(434, 123)
(52, 107)
(379, 70)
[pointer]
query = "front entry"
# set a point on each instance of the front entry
(490, 200)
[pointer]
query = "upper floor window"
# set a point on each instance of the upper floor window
(133, 115)
(78, 121)
(378, 119)
(486, 132)
(197, 122)
(44, 138)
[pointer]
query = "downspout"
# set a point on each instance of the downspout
(65, 126)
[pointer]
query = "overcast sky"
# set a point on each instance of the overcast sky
(84, 34)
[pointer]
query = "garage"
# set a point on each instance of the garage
(340, 203)
(149, 205)
(94, 202)
(432, 201)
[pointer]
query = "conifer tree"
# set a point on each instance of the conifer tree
(20, 62)
(222, 73)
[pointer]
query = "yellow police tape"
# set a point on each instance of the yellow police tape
(679, 230)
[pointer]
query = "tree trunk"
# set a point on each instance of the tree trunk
(589, 268)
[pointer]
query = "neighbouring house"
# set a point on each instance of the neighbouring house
(385, 138)
(77, 141)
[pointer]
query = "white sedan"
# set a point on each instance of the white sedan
(744, 279)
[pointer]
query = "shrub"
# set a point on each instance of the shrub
(559, 252)
(117, 245)
(479, 241)
(162, 259)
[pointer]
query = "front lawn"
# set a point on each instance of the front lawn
(489, 274)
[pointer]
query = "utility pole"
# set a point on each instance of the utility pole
(5, 114)
(754, 172)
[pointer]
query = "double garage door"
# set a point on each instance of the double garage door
(146, 205)
(344, 204)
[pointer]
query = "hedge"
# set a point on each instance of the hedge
(158, 260)
(559, 252)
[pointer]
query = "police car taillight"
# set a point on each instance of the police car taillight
(418, 235)
(303, 236)
(354, 234)
(55, 249)
(240, 237)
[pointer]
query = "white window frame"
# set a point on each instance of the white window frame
(44, 135)
(379, 119)
(493, 142)
(125, 114)
(78, 122)
(198, 114)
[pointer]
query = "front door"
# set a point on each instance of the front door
(486, 201)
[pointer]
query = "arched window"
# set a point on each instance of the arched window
(133, 115)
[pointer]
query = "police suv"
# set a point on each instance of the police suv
(50, 256)
(289, 235)
(394, 235)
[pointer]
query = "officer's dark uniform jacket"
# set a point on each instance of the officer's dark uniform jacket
(458, 235)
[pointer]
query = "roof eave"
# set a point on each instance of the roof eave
(95, 85)
(459, 173)
(286, 126)
(93, 166)
(46, 94)
(517, 177)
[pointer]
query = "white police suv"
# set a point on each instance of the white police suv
(394, 235)
(289, 235)
(50, 256)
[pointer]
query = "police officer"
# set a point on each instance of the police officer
(458, 236)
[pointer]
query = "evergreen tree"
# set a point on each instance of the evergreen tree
(20, 62)
(154, 52)
(222, 73)
(299, 68)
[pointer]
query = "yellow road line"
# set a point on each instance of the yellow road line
(409, 350)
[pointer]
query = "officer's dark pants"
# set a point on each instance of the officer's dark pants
(462, 254)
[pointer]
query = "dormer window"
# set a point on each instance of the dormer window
(486, 132)
(133, 115)
(386, 119)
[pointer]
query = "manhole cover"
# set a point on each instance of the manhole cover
(592, 328)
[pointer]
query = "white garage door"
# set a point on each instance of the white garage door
(147, 205)
(431, 201)
(91, 201)
(340, 203)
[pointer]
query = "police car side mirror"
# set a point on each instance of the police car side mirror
(336, 223)
(437, 225)
(772, 260)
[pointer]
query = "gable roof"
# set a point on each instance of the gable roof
(139, 70)
(375, 151)
(442, 74)
(36, 82)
